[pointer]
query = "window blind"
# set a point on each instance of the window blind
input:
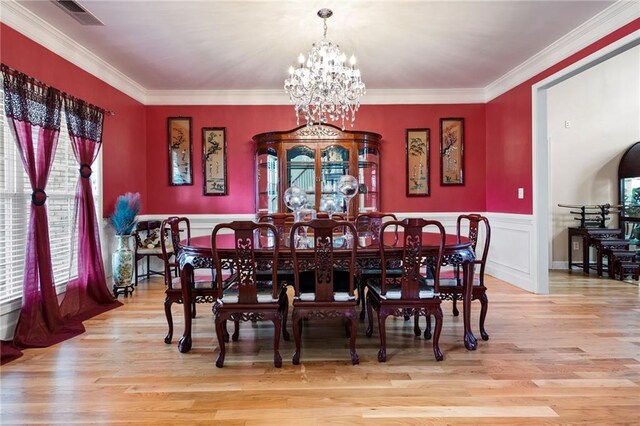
(15, 209)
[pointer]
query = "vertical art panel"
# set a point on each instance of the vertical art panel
(417, 147)
(180, 164)
(452, 151)
(214, 161)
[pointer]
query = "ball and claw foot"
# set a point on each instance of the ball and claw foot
(438, 353)
(427, 334)
(382, 355)
(470, 342)
(296, 358)
(484, 334)
(417, 331)
(354, 358)
(277, 360)
(184, 344)
(235, 335)
(220, 361)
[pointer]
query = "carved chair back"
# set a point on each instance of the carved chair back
(414, 262)
(243, 260)
(168, 255)
(282, 222)
(475, 221)
(327, 256)
(372, 223)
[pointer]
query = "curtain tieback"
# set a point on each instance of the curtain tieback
(38, 197)
(85, 170)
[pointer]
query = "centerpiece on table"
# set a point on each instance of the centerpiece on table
(124, 221)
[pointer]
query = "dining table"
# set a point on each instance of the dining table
(197, 254)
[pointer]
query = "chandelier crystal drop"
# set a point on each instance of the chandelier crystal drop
(323, 87)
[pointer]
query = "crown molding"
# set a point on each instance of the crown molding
(279, 97)
(423, 96)
(27, 23)
(601, 25)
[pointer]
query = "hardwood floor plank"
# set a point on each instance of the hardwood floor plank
(571, 357)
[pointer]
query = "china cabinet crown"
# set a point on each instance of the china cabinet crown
(314, 158)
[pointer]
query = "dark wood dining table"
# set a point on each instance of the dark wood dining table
(197, 254)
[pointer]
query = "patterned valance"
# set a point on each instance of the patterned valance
(83, 119)
(25, 99)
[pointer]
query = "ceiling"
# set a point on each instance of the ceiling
(248, 45)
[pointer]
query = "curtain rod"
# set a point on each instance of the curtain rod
(13, 71)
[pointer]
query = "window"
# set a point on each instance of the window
(15, 209)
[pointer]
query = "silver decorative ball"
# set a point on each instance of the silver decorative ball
(295, 198)
(348, 186)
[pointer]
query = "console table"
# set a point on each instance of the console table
(589, 238)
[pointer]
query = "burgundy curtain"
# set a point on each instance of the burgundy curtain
(29, 106)
(88, 294)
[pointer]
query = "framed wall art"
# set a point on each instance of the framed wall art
(180, 161)
(214, 160)
(452, 151)
(417, 147)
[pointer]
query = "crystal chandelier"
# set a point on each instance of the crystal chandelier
(323, 88)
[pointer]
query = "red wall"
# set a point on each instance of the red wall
(242, 122)
(124, 143)
(509, 136)
(498, 157)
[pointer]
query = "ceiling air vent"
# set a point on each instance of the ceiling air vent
(77, 12)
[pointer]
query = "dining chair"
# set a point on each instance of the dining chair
(324, 278)
(334, 216)
(147, 238)
(368, 226)
(412, 291)
(451, 286)
(245, 295)
(204, 290)
(282, 222)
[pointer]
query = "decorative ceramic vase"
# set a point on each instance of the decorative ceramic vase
(122, 262)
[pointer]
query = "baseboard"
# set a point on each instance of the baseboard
(560, 265)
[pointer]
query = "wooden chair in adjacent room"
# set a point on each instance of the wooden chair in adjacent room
(147, 238)
(411, 292)
(246, 295)
(324, 279)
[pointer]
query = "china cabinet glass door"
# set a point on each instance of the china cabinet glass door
(368, 191)
(267, 181)
(301, 171)
(334, 163)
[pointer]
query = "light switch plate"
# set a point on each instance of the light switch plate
(521, 193)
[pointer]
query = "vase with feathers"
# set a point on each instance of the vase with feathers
(123, 220)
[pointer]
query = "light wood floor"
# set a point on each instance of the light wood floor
(570, 357)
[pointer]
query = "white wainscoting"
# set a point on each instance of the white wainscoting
(512, 247)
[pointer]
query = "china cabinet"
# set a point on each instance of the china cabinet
(314, 158)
